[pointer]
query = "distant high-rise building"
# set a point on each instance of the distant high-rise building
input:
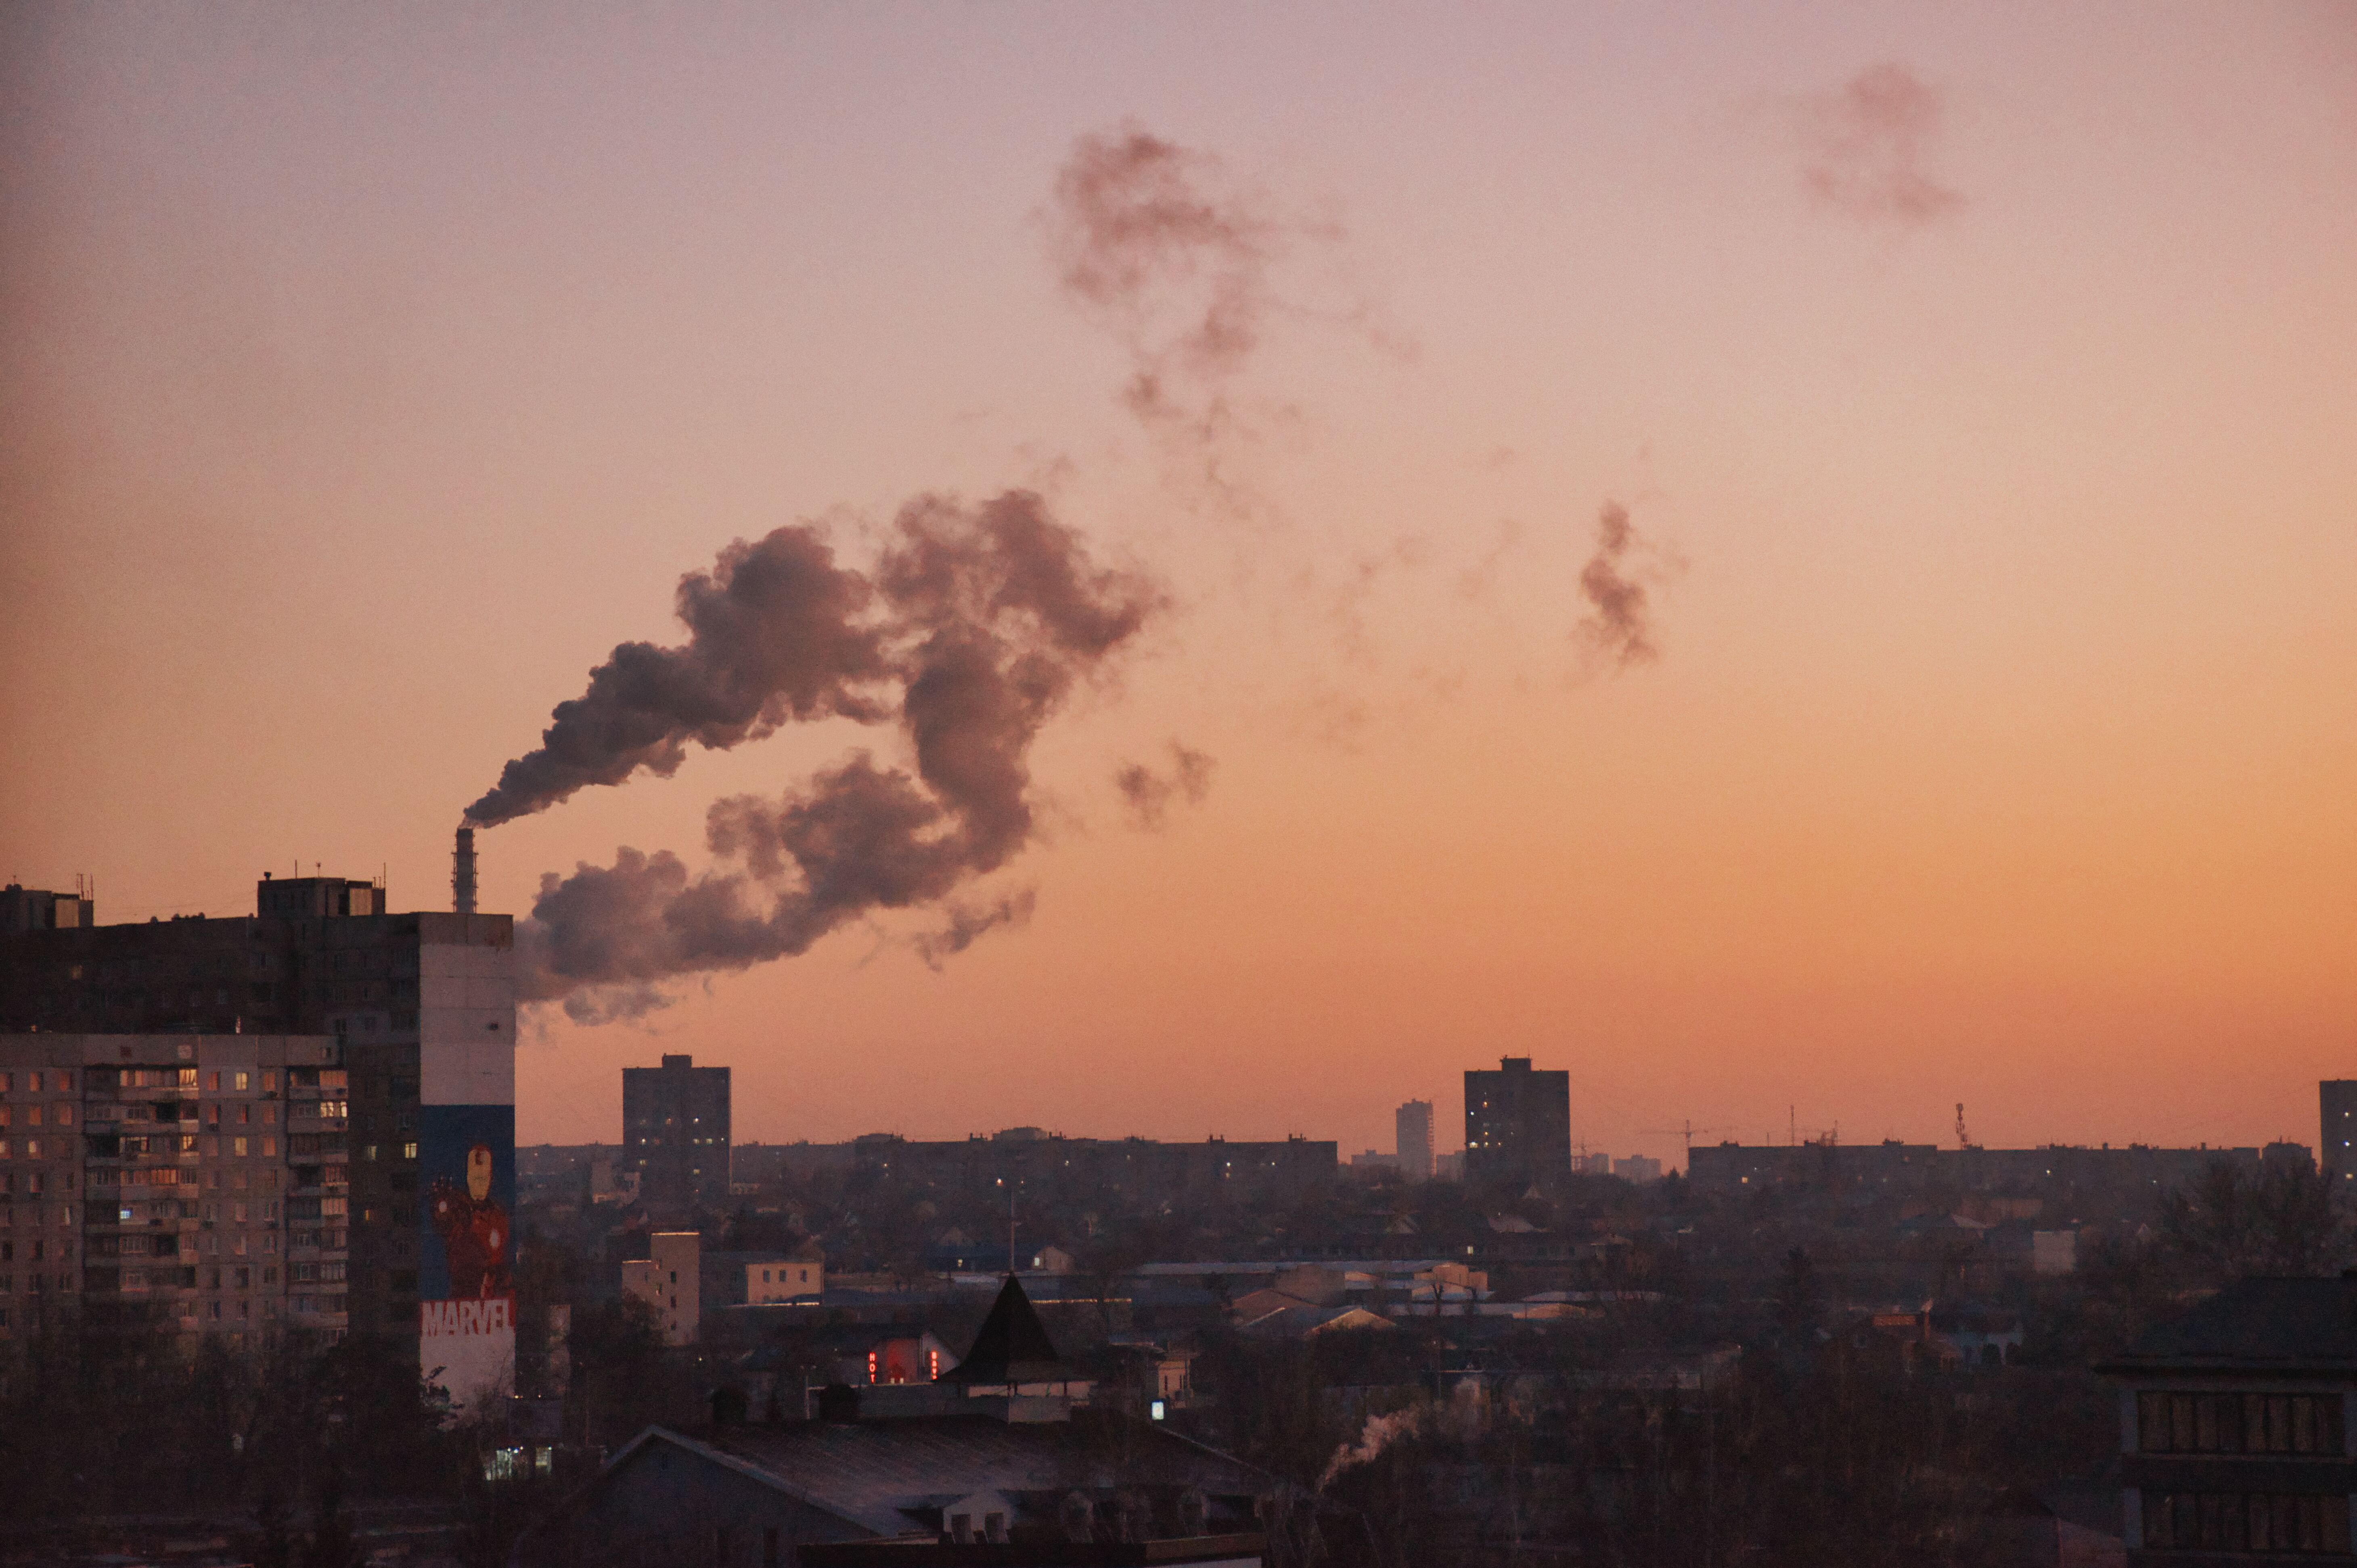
(2336, 1102)
(1412, 1139)
(676, 1131)
(1638, 1168)
(1517, 1123)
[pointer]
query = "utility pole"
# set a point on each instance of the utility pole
(1010, 1187)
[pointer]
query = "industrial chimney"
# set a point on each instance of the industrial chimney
(462, 873)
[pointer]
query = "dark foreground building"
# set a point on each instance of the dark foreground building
(1007, 1467)
(1517, 1123)
(2235, 1426)
(354, 1069)
(2336, 1107)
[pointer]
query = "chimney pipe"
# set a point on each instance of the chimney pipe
(462, 873)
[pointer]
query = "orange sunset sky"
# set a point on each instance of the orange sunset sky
(1981, 385)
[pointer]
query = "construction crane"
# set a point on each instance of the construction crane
(1685, 1130)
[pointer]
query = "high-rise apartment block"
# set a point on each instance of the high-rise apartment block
(675, 1132)
(327, 1085)
(2336, 1151)
(1517, 1123)
(174, 1183)
(1412, 1137)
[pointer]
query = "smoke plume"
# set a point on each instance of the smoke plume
(968, 921)
(1156, 245)
(1618, 626)
(1866, 145)
(1379, 1434)
(980, 621)
(1148, 794)
(776, 631)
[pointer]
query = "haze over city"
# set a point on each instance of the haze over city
(1782, 557)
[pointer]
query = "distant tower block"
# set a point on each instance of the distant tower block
(462, 873)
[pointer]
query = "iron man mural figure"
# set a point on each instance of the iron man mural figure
(475, 1230)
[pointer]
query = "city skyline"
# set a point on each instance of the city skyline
(1792, 558)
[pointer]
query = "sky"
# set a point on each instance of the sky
(1961, 711)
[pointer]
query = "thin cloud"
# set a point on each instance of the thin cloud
(1148, 794)
(1618, 626)
(1867, 148)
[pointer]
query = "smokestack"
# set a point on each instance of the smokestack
(462, 873)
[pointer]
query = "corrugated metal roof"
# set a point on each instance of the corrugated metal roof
(877, 1473)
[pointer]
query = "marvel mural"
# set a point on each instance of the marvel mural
(466, 1258)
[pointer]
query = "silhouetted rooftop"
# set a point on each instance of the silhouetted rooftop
(2265, 1324)
(1012, 1346)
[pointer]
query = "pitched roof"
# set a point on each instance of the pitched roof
(2254, 1325)
(1012, 1346)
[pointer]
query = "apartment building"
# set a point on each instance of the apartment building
(675, 1127)
(196, 1185)
(1412, 1138)
(670, 1281)
(392, 1092)
(1517, 1122)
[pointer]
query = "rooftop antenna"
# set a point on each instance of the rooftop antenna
(1963, 1141)
(462, 873)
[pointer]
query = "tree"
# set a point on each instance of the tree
(2230, 1223)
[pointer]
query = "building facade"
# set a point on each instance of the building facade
(1517, 1123)
(174, 1184)
(670, 1281)
(390, 1042)
(1412, 1138)
(675, 1128)
(2235, 1426)
(774, 1280)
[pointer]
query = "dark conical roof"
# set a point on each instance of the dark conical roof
(1012, 1346)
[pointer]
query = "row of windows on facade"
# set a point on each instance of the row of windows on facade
(260, 994)
(136, 1145)
(2239, 1423)
(60, 1080)
(192, 1277)
(186, 968)
(223, 1312)
(2247, 1521)
(173, 1244)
